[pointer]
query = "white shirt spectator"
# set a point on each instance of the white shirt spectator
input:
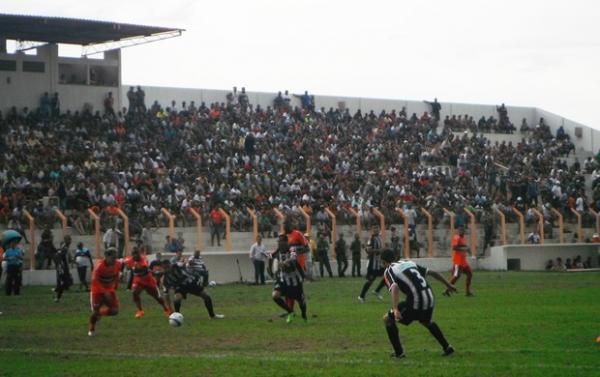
(258, 252)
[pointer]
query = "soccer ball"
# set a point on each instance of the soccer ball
(176, 319)
(212, 283)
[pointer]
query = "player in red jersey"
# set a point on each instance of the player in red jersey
(298, 244)
(105, 280)
(459, 261)
(143, 281)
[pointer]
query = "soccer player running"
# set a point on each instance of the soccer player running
(105, 280)
(184, 281)
(143, 280)
(409, 278)
(374, 268)
(459, 261)
(289, 279)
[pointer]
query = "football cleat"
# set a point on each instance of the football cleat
(448, 351)
(139, 314)
(361, 300)
(290, 318)
(218, 316)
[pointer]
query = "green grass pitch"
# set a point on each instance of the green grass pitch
(519, 324)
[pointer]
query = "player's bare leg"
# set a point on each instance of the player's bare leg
(454, 279)
(469, 275)
(155, 294)
(137, 299)
(177, 302)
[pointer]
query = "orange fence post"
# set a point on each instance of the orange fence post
(405, 231)
(31, 221)
(171, 219)
(429, 232)
(579, 229)
(306, 219)
(451, 215)
(473, 230)
(358, 221)
(502, 226)
(96, 219)
(254, 223)
(281, 218)
(199, 233)
(333, 229)
(63, 221)
(561, 227)
(540, 224)
(227, 229)
(381, 217)
(597, 217)
(521, 224)
(125, 230)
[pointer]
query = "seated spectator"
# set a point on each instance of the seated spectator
(558, 265)
(534, 238)
(568, 264)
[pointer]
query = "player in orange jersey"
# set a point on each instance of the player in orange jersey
(105, 280)
(459, 261)
(143, 281)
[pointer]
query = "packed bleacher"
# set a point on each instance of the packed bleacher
(236, 155)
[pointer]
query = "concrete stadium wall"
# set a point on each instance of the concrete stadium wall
(534, 257)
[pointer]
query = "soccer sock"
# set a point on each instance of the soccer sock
(290, 303)
(435, 330)
(302, 305)
(177, 304)
(380, 286)
(94, 318)
(366, 288)
(209, 305)
(279, 301)
(468, 283)
(394, 337)
(138, 301)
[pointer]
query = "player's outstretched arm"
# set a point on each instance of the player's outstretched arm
(437, 276)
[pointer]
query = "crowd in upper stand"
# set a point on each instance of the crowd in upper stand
(234, 154)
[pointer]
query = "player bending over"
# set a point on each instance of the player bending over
(289, 279)
(105, 280)
(184, 281)
(409, 278)
(143, 281)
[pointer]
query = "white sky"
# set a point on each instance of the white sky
(521, 52)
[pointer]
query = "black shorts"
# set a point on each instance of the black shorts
(295, 292)
(193, 289)
(409, 314)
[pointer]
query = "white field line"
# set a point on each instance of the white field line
(447, 362)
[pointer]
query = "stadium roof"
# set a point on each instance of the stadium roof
(73, 30)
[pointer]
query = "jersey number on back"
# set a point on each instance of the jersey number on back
(419, 277)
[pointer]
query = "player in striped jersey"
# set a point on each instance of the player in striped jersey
(289, 278)
(409, 278)
(375, 267)
(184, 281)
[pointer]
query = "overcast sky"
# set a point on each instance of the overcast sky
(521, 52)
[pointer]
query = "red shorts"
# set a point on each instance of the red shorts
(458, 268)
(108, 299)
(150, 287)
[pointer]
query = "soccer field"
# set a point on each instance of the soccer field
(519, 324)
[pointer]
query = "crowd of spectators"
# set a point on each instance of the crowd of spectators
(234, 155)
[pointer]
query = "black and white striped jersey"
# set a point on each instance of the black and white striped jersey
(410, 278)
(374, 258)
(289, 271)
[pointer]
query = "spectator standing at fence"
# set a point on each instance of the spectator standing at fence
(355, 249)
(13, 256)
(111, 238)
(340, 256)
(83, 261)
(216, 219)
(435, 108)
(323, 255)
(258, 256)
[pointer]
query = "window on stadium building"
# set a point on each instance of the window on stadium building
(38, 67)
(8, 65)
